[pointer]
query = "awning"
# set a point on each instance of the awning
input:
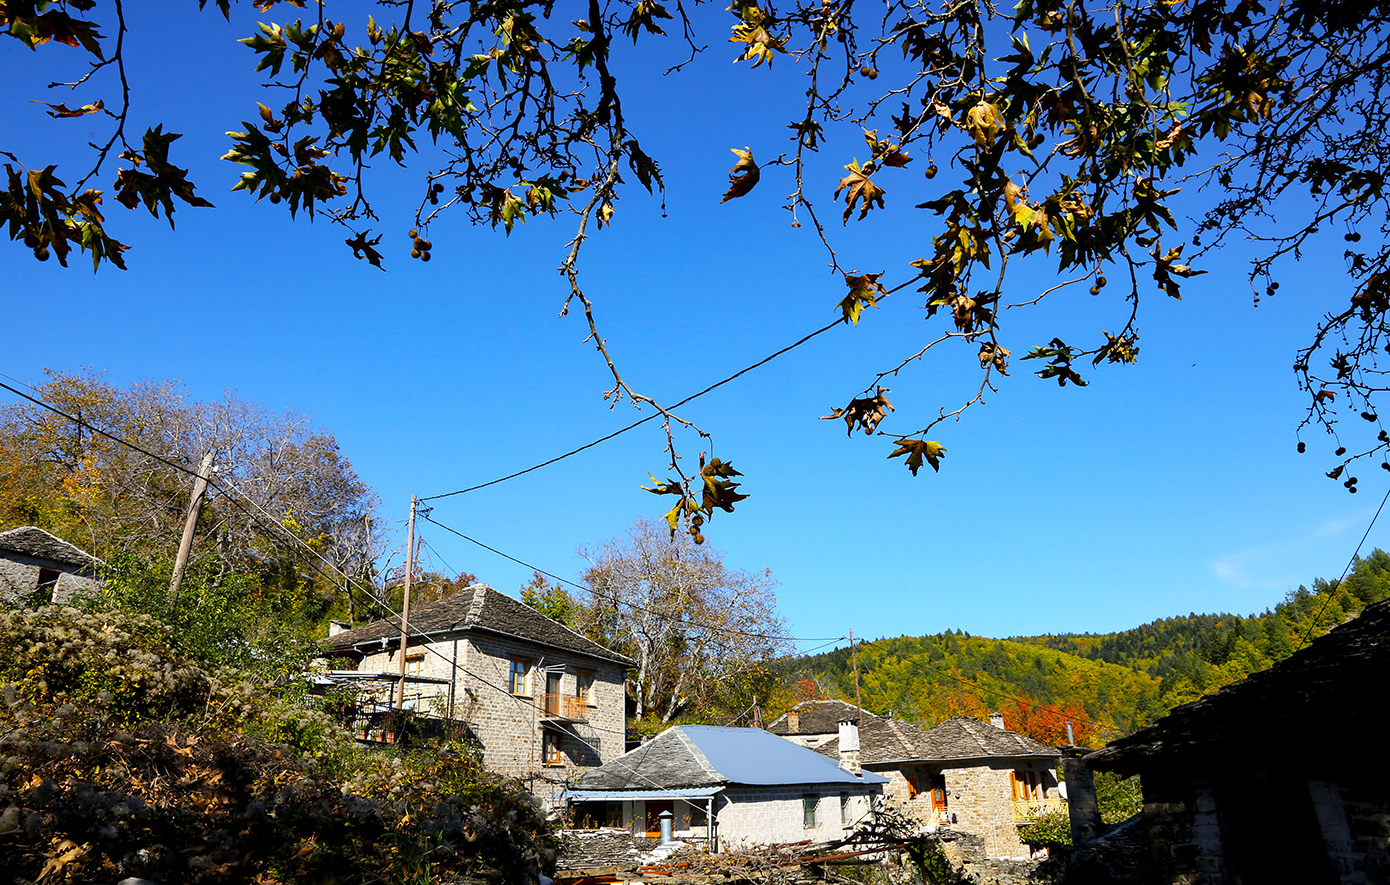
(622, 795)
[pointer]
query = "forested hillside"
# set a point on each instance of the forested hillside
(928, 679)
(1194, 654)
(1104, 684)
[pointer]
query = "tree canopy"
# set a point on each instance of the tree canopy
(1054, 138)
(286, 516)
(701, 633)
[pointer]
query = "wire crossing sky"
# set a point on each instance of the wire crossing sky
(1167, 487)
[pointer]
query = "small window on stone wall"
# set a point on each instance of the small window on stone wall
(809, 804)
(846, 817)
(517, 676)
(550, 749)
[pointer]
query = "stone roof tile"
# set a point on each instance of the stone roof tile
(34, 542)
(481, 608)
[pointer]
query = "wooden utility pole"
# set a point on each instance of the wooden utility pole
(854, 656)
(195, 507)
(405, 607)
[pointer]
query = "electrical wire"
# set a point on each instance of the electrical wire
(1313, 624)
(381, 605)
(634, 425)
(620, 601)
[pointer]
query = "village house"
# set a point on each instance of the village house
(37, 568)
(963, 774)
(543, 702)
(1280, 777)
(726, 787)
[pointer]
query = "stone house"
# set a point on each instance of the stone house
(1280, 777)
(726, 787)
(812, 723)
(37, 568)
(963, 774)
(544, 702)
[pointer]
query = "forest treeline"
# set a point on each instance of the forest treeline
(1103, 684)
(1194, 654)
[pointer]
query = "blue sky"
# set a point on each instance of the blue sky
(1165, 487)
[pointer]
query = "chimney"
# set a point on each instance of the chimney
(849, 746)
(336, 627)
(794, 722)
(997, 720)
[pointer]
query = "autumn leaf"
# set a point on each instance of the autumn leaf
(919, 450)
(752, 30)
(364, 248)
(743, 176)
(885, 153)
(864, 412)
(996, 355)
(864, 290)
(984, 122)
(858, 186)
(720, 488)
(62, 111)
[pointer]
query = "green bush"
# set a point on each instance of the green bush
(1053, 828)
(119, 757)
(1119, 797)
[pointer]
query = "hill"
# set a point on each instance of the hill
(927, 679)
(1194, 654)
(1105, 684)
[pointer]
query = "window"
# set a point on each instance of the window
(550, 748)
(1027, 786)
(845, 817)
(808, 810)
(584, 687)
(911, 786)
(413, 664)
(517, 676)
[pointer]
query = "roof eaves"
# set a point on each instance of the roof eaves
(611, 657)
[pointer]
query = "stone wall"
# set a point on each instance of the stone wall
(898, 792)
(19, 577)
(751, 816)
(511, 726)
(980, 801)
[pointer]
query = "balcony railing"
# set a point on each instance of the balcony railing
(559, 706)
(1028, 810)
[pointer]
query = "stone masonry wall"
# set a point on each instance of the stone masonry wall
(897, 793)
(750, 816)
(1184, 833)
(19, 576)
(510, 726)
(980, 800)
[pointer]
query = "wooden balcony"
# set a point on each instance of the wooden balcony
(1029, 810)
(559, 706)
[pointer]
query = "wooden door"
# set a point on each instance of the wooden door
(550, 703)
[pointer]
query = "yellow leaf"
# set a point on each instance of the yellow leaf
(859, 187)
(984, 123)
(743, 176)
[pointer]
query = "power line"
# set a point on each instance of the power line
(694, 396)
(381, 605)
(617, 600)
(1313, 624)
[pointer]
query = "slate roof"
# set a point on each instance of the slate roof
(35, 542)
(606, 847)
(1325, 700)
(483, 609)
(709, 755)
(892, 740)
(817, 717)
